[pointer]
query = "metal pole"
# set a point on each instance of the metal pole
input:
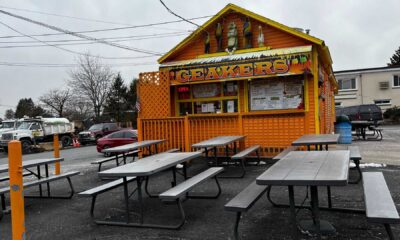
(16, 190)
(56, 154)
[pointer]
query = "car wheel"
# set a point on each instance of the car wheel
(66, 141)
(106, 154)
(26, 146)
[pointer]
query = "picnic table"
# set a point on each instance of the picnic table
(313, 169)
(318, 140)
(142, 170)
(35, 163)
(361, 127)
(134, 146)
(221, 141)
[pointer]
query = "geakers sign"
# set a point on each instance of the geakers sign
(285, 65)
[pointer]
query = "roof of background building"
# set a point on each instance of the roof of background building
(377, 69)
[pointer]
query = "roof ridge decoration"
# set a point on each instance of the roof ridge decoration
(233, 7)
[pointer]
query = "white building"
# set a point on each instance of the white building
(370, 85)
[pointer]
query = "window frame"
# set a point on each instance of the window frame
(349, 89)
(398, 81)
(383, 104)
(221, 98)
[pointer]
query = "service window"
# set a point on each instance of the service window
(207, 98)
(276, 94)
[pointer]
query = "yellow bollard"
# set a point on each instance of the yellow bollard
(56, 147)
(16, 190)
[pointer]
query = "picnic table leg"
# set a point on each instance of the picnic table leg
(328, 190)
(156, 148)
(308, 148)
(116, 159)
(292, 211)
(39, 177)
(127, 198)
(315, 210)
(234, 148)
(215, 156)
(149, 148)
(46, 166)
(173, 183)
(124, 157)
(139, 189)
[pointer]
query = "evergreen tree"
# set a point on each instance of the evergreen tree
(26, 107)
(395, 59)
(116, 101)
(132, 95)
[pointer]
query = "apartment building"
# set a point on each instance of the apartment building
(369, 85)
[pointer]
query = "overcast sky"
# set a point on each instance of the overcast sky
(360, 34)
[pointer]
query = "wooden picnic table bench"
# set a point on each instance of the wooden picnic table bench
(93, 192)
(379, 204)
(243, 202)
(115, 158)
(241, 156)
(40, 181)
(285, 152)
(177, 193)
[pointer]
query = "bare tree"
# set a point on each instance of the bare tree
(9, 114)
(55, 100)
(92, 80)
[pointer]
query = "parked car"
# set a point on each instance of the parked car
(96, 132)
(365, 112)
(116, 139)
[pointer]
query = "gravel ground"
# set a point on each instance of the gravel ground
(206, 219)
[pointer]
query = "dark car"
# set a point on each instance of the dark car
(116, 139)
(97, 131)
(365, 112)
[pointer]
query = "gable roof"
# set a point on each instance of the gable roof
(233, 7)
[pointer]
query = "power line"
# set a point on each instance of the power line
(65, 16)
(85, 42)
(52, 45)
(108, 29)
(67, 65)
(79, 35)
(183, 19)
(133, 37)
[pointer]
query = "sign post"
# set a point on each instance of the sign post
(16, 190)
(56, 147)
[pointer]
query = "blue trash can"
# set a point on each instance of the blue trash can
(344, 129)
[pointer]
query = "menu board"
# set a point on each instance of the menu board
(206, 90)
(276, 94)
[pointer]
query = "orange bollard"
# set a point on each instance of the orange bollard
(56, 147)
(16, 190)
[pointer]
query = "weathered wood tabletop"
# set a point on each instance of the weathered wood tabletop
(308, 168)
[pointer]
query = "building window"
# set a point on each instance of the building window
(396, 81)
(338, 104)
(381, 102)
(221, 97)
(347, 84)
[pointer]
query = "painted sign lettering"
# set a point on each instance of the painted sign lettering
(286, 65)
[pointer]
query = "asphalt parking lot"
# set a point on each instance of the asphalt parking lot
(206, 219)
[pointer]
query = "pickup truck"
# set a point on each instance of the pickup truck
(35, 130)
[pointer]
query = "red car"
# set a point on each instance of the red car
(116, 139)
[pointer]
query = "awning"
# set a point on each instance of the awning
(240, 57)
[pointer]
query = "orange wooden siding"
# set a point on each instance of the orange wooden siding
(274, 38)
(272, 132)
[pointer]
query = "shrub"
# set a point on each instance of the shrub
(392, 113)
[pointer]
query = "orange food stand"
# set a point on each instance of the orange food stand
(239, 74)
